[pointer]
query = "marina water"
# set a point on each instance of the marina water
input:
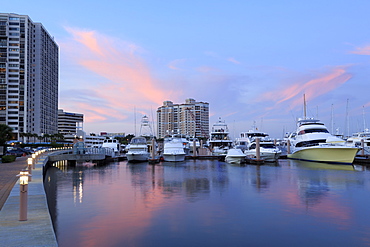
(210, 203)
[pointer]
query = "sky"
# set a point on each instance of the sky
(251, 60)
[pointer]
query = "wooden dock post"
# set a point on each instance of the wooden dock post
(258, 151)
(194, 148)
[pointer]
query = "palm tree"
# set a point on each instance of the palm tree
(6, 134)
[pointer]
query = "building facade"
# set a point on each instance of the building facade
(190, 118)
(69, 123)
(28, 76)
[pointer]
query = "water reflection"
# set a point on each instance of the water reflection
(208, 203)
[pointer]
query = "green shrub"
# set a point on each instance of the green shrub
(8, 158)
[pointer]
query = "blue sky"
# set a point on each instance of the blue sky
(251, 60)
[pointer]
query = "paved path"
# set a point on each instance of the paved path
(8, 177)
(38, 229)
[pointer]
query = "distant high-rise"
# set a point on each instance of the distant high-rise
(28, 76)
(191, 118)
(69, 122)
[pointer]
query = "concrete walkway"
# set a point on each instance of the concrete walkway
(38, 229)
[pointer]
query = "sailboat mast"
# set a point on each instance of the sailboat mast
(304, 107)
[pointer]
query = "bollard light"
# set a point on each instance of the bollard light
(23, 177)
(30, 163)
(23, 194)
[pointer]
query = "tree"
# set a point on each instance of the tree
(6, 133)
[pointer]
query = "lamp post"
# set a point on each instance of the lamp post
(23, 196)
(34, 160)
(29, 164)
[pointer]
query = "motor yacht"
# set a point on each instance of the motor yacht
(219, 141)
(138, 150)
(357, 138)
(313, 142)
(173, 149)
(268, 151)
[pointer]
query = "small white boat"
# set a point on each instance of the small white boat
(173, 149)
(235, 156)
(138, 150)
(268, 151)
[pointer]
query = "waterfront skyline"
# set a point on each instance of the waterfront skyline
(252, 61)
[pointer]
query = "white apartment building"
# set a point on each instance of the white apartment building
(28, 76)
(190, 118)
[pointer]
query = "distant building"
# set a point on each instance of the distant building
(191, 118)
(28, 76)
(69, 122)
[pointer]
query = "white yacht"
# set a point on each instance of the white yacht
(235, 156)
(138, 150)
(357, 138)
(219, 140)
(173, 149)
(268, 151)
(313, 142)
(113, 144)
(245, 139)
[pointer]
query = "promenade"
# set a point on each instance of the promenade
(38, 229)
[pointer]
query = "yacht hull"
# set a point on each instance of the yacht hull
(174, 157)
(266, 156)
(139, 157)
(337, 155)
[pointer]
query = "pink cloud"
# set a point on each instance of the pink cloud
(365, 50)
(233, 60)
(126, 79)
(312, 88)
(175, 64)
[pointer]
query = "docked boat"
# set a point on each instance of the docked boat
(313, 142)
(112, 144)
(268, 151)
(357, 138)
(235, 156)
(173, 149)
(220, 141)
(245, 139)
(138, 150)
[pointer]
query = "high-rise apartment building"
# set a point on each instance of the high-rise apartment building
(28, 76)
(191, 118)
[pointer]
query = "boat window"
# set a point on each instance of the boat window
(313, 131)
(268, 145)
(310, 143)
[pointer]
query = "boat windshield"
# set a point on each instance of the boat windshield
(306, 131)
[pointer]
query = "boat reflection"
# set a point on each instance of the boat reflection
(322, 166)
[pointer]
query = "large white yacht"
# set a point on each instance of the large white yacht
(313, 142)
(173, 149)
(138, 150)
(219, 140)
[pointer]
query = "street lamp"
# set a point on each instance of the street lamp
(29, 163)
(34, 160)
(23, 196)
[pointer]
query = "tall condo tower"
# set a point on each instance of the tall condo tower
(191, 119)
(28, 76)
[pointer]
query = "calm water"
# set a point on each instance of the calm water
(210, 203)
